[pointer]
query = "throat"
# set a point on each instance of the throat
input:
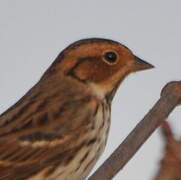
(98, 91)
(103, 93)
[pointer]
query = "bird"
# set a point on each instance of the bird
(59, 128)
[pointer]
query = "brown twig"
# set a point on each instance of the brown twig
(170, 98)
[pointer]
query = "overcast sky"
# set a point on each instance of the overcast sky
(32, 33)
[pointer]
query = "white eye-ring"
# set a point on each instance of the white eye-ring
(110, 57)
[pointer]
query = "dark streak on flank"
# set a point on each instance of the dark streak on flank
(84, 157)
(72, 153)
(92, 141)
(96, 110)
(103, 114)
(88, 165)
(92, 160)
(103, 111)
(95, 114)
(81, 161)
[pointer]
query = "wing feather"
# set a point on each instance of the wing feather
(31, 147)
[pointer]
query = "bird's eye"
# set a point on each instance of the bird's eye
(110, 57)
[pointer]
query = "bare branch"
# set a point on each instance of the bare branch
(170, 98)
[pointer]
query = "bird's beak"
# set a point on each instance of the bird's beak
(141, 64)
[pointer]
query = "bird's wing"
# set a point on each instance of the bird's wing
(36, 142)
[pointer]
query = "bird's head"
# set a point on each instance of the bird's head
(99, 63)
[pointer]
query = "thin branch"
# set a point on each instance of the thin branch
(170, 98)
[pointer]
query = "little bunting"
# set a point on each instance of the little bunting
(59, 128)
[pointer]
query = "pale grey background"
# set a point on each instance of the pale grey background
(32, 33)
